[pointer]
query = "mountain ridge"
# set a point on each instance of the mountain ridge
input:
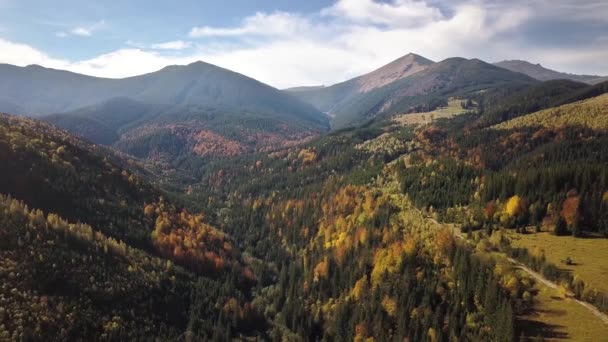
(544, 74)
(211, 107)
(327, 98)
(410, 83)
(90, 90)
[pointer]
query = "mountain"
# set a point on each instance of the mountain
(327, 99)
(102, 123)
(197, 109)
(166, 133)
(304, 88)
(407, 85)
(11, 108)
(541, 73)
(600, 80)
(38, 90)
(41, 91)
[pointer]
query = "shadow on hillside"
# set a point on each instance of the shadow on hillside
(534, 328)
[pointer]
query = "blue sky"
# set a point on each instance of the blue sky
(112, 23)
(289, 43)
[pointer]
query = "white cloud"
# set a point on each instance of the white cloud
(260, 24)
(21, 54)
(173, 45)
(405, 13)
(569, 10)
(341, 41)
(124, 62)
(82, 31)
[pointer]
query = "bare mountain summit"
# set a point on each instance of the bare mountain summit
(394, 71)
(328, 99)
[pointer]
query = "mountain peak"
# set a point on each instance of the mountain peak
(454, 60)
(417, 57)
(402, 67)
(193, 65)
(199, 64)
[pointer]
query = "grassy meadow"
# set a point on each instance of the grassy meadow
(588, 255)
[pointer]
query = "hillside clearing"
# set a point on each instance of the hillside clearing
(453, 108)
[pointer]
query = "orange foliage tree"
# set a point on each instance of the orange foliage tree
(186, 239)
(570, 209)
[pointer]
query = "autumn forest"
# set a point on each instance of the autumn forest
(438, 201)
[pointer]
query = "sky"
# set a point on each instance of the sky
(289, 43)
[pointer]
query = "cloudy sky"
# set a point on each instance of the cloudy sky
(289, 43)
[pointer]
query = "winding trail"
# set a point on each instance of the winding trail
(537, 276)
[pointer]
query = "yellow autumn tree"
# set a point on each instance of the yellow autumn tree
(387, 260)
(444, 244)
(514, 206)
(360, 288)
(389, 305)
(307, 156)
(410, 246)
(149, 209)
(321, 271)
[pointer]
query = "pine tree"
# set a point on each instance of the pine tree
(561, 227)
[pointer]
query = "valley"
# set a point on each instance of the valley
(440, 201)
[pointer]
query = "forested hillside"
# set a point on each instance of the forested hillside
(360, 260)
(591, 113)
(138, 265)
(345, 210)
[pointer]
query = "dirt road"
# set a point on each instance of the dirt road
(537, 276)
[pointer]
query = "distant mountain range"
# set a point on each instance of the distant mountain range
(204, 110)
(39, 91)
(541, 73)
(194, 109)
(408, 84)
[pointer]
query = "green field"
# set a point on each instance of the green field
(554, 316)
(588, 255)
(453, 108)
(556, 319)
